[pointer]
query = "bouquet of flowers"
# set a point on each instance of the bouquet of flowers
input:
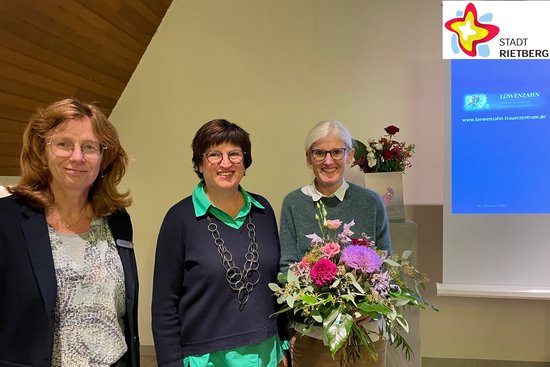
(384, 154)
(343, 280)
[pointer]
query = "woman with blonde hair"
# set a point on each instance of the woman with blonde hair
(68, 277)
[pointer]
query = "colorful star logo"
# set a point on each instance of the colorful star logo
(470, 31)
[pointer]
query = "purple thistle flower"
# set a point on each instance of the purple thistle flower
(362, 258)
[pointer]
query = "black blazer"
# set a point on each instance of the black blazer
(28, 287)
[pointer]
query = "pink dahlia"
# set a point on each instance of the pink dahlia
(323, 272)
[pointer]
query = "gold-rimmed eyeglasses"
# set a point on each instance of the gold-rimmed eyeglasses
(63, 148)
(215, 156)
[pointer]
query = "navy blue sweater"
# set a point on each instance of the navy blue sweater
(194, 311)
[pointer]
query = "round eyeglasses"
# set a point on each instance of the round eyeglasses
(63, 148)
(337, 154)
(215, 156)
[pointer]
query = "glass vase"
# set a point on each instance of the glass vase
(389, 185)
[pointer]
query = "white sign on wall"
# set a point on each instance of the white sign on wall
(496, 30)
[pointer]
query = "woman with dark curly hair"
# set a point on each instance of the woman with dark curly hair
(68, 277)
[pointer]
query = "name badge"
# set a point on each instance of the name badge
(125, 244)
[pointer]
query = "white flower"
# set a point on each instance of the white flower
(371, 162)
(378, 146)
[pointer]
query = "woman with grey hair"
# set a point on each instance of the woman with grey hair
(329, 151)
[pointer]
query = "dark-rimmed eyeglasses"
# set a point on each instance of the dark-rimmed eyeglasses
(337, 154)
(63, 148)
(215, 156)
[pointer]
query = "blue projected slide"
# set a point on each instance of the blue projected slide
(500, 136)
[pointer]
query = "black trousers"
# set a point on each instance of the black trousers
(121, 362)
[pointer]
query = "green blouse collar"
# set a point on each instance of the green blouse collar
(202, 204)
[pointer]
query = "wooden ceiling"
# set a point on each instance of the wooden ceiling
(51, 49)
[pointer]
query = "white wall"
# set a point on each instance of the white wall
(276, 67)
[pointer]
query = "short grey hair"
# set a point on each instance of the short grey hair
(327, 128)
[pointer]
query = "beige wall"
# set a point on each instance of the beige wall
(8, 180)
(276, 67)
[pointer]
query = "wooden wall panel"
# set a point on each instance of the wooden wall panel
(58, 48)
(23, 89)
(33, 79)
(55, 73)
(115, 17)
(64, 44)
(13, 114)
(12, 127)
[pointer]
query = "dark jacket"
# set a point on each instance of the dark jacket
(28, 287)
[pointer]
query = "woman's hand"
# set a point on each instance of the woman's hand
(361, 320)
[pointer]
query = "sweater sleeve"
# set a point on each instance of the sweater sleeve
(287, 236)
(167, 292)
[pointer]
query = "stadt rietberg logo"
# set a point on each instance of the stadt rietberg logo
(471, 33)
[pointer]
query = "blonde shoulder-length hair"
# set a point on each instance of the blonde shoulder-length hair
(34, 184)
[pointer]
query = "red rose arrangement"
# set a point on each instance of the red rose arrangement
(384, 154)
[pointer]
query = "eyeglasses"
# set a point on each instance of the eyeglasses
(337, 154)
(63, 148)
(215, 156)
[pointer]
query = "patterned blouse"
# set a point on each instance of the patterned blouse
(89, 325)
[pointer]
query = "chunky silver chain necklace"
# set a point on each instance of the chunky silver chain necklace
(240, 281)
